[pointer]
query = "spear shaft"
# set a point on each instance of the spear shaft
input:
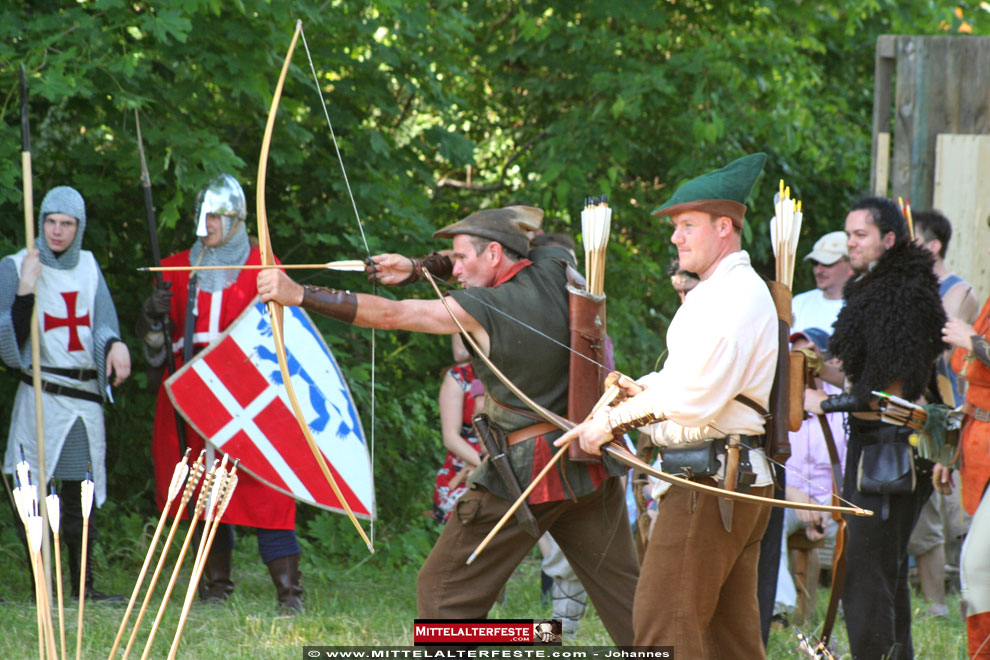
(39, 420)
(156, 257)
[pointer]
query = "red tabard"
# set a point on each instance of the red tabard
(975, 437)
(254, 503)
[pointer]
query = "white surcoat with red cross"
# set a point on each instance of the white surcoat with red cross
(65, 302)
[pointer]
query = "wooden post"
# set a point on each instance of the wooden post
(883, 70)
(941, 90)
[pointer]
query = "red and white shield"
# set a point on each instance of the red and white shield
(232, 394)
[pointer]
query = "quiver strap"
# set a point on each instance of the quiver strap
(778, 445)
(587, 376)
(797, 372)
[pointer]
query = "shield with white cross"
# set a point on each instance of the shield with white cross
(232, 394)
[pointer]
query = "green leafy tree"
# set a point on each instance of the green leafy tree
(438, 108)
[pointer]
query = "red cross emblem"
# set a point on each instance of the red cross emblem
(70, 321)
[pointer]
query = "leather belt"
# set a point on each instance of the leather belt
(75, 374)
(979, 414)
(528, 432)
(752, 441)
(62, 390)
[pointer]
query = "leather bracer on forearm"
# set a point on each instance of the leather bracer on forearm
(845, 402)
(439, 265)
(632, 414)
(337, 304)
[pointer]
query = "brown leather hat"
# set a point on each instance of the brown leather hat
(507, 226)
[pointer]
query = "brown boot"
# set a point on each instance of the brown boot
(286, 576)
(216, 586)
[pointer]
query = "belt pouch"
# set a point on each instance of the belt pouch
(886, 469)
(696, 460)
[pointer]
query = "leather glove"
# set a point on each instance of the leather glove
(157, 306)
(154, 312)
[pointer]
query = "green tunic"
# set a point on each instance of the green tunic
(536, 296)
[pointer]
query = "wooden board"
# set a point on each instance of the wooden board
(881, 165)
(962, 193)
(941, 87)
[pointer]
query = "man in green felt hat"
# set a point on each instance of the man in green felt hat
(698, 583)
(582, 505)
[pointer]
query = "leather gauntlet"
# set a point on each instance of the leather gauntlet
(845, 402)
(632, 414)
(981, 349)
(150, 324)
(440, 267)
(337, 304)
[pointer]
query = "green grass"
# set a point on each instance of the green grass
(361, 604)
(934, 638)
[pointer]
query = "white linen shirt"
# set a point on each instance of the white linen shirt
(721, 342)
(812, 309)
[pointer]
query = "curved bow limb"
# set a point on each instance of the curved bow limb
(623, 455)
(275, 309)
(547, 415)
(610, 393)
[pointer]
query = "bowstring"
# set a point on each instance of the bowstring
(466, 292)
(803, 478)
(818, 487)
(364, 239)
(770, 459)
(811, 483)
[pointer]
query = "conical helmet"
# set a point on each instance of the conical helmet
(223, 196)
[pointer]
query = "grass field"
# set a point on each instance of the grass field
(346, 605)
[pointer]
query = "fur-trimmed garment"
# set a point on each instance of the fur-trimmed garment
(890, 328)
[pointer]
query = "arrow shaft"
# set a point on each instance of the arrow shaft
(346, 265)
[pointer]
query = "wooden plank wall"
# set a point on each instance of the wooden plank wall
(925, 87)
(962, 193)
(943, 86)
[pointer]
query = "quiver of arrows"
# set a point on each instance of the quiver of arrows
(587, 377)
(587, 320)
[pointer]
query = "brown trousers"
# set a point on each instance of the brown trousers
(593, 533)
(697, 591)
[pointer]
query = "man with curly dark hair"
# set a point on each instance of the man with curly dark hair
(887, 338)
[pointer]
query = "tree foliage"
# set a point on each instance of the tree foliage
(438, 108)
